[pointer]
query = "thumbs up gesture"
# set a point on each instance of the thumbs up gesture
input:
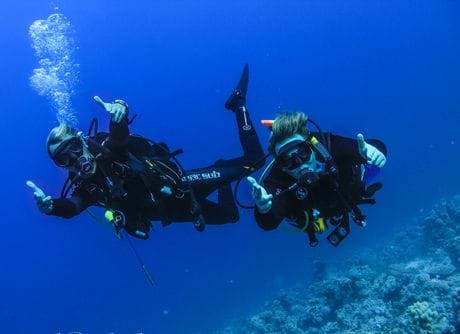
(371, 153)
(44, 203)
(118, 110)
(261, 197)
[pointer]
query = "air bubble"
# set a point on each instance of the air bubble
(57, 76)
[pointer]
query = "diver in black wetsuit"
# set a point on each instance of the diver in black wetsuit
(140, 181)
(315, 179)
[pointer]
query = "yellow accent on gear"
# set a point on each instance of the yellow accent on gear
(101, 222)
(299, 229)
(320, 225)
(108, 215)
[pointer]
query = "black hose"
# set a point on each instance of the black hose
(238, 181)
(321, 133)
(94, 124)
(235, 195)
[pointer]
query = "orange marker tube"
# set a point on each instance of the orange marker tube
(267, 122)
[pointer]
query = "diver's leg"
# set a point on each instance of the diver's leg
(206, 180)
(248, 137)
(221, 174)
(220, 213)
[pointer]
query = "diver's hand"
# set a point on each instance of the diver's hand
(371, 153)
(261, 197)
(44, 203)
(117, 110)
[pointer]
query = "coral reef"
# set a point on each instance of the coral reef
(410, 285)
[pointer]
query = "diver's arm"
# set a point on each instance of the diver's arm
(68, 207)
(267, 221)
(61, 207)
(119, 134)
(119, 130)
(79, 201)
(347, 149)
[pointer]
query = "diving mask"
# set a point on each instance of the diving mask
(68, 152)
(294, 154)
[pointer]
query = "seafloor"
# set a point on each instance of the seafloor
(411, 285)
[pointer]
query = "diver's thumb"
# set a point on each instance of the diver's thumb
(361, 142)
(39, 193)
(32, 185)
(252, 181)
(99, 101)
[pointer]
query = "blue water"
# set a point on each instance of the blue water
(389, 69)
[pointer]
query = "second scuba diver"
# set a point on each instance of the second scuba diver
(139, 181)
(315, 179)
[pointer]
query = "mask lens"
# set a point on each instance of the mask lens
(295, 156)
(304, 151)
(63, 160)
(68, 152)
(287, 162)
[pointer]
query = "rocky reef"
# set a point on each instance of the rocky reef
(410, 285)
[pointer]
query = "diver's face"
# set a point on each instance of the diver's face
(72, 154)
(85, 165)
(296, 157)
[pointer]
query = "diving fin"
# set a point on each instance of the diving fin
(238, 97)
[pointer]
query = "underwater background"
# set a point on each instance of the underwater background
(388, 69)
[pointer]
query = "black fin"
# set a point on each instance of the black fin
(238, 97)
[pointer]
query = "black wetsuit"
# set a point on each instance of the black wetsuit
(142, 204)
(323, 197)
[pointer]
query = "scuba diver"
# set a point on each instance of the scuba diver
(138, 181)
(315, 178)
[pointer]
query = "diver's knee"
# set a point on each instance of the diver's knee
(220, 163)
(256, 160)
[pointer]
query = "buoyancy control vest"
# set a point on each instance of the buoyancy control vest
(349, 196)
(157, 167)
